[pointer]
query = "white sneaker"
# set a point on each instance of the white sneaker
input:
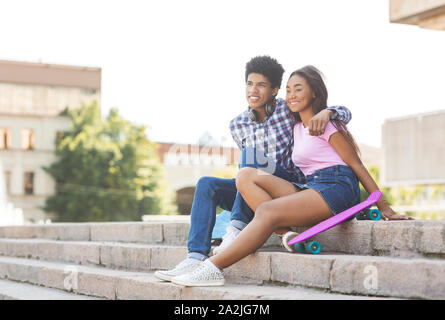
(227, 239)
(288, 236)
(203, 275)
(183, 267)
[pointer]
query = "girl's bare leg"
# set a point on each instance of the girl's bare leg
(257, 187)
(304, 208)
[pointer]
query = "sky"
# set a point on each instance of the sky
(178, 66)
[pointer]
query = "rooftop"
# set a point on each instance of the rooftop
(50, 74)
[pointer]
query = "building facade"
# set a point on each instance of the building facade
(414, 149)
(413, 153)
(185, 163)
(413, 144)
(427, 14)
(32, 96)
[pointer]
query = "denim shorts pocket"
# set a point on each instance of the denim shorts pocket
(351, 189)
(348, 180)
(325, 177)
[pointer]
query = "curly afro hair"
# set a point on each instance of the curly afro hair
(268, 67)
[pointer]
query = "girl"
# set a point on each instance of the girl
(332, 168)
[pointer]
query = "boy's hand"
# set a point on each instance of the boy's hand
(319, 122)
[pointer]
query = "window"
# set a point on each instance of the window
(8, 182)
(28, 139)
(89, 91)
(29, 183)
(59, 136)
(5, 138)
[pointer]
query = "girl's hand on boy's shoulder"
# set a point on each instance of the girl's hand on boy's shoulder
(389, 214)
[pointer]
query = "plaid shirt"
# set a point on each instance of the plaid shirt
(275, 136)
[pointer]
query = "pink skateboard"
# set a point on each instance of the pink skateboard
(313, 246)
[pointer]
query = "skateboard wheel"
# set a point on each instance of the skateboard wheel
(374, 214)
(313, 247)
(362, 215)
(299, 247)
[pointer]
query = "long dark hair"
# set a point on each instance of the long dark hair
(314, 79)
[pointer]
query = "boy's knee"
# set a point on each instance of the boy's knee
(205, 184)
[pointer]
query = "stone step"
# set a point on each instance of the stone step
(418, 238)
(12, 290)
(118, 284)
(172, 233)
(339, 273)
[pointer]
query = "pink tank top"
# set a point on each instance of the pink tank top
(313, 153)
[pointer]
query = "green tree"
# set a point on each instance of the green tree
(408, 195)
(375, 174)
(106, 169)
(438, 192)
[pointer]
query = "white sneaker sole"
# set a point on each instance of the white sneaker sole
(186, 283)
(285, 240)
(162, 276)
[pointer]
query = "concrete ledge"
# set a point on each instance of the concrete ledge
(419, 279)
(116, 284)
(166, 257)
(125, 256)
(127, 232)
(59, 231)
(395, 277)
(409, 238)
(389, 238)
(11, 290)
(254, 267)
(300, 269)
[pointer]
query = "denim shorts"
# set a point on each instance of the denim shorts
(338, 185)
